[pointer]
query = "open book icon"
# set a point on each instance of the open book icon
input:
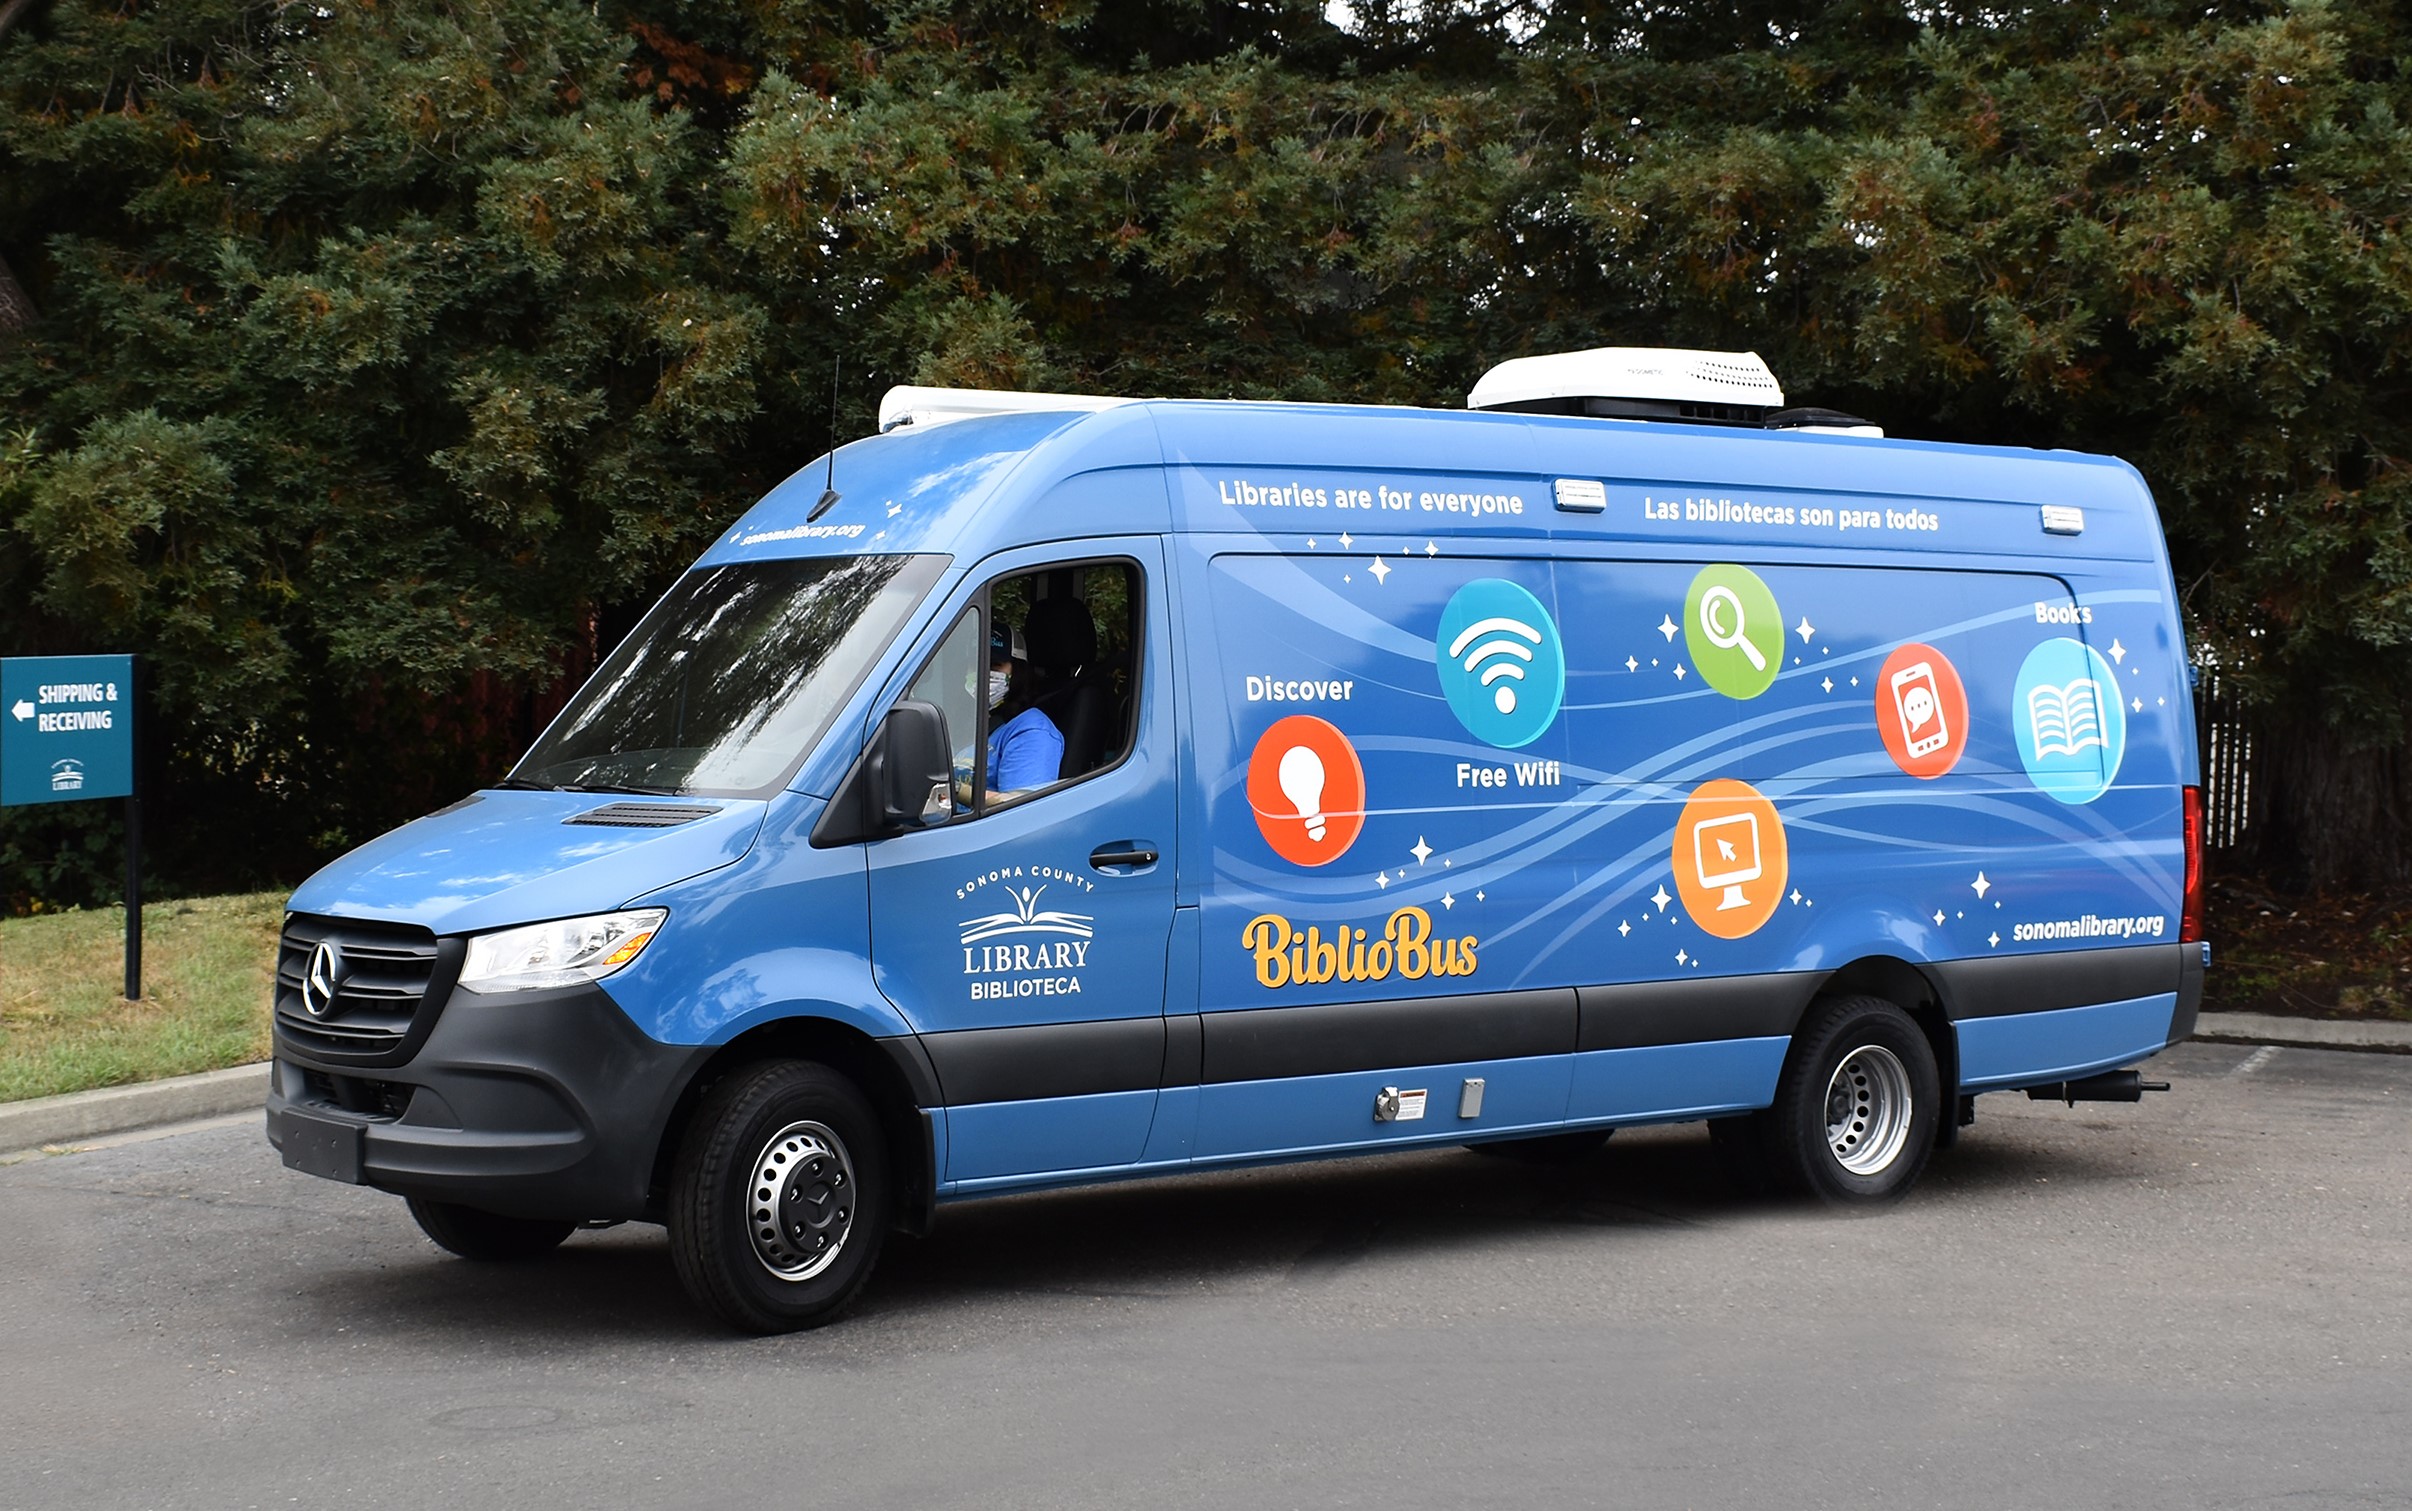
(2066, 720)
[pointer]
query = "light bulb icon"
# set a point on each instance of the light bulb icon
(1301, 776)
(1306, 790)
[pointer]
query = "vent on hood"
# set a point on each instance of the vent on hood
(643, 815)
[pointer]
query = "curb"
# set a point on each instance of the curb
(122, 1109)
(2305, 1033)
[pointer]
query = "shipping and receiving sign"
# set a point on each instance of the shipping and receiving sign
(66, 728)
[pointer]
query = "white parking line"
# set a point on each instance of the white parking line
(2254, 1061)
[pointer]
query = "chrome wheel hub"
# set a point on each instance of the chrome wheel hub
(800, 1205)
(1868, 1110)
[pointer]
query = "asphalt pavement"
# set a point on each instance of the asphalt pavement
(2201, 1301)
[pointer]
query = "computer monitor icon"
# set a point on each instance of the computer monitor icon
(1725, 853)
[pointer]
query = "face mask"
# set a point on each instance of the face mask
(997, 683)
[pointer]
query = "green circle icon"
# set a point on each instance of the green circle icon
(1734, 631)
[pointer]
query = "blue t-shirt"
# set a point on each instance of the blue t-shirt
(1025, 751)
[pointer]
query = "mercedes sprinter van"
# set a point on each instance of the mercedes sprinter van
(1054, 789)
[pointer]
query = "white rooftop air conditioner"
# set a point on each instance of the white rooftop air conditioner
(1654, 383)
(923, 407)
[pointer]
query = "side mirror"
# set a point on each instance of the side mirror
(907, 759)
(902, 770)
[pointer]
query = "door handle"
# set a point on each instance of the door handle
(1123, 852)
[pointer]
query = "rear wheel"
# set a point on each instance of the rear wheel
(780, 1197)
(474, 1234)
(1854, 1116)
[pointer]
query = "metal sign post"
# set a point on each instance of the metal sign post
(66, 736)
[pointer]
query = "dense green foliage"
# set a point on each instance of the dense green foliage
(390, 355)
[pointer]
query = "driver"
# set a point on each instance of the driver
(1025, 750)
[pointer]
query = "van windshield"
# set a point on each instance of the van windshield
(730, 679)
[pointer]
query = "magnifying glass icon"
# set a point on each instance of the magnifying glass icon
(1723, 598)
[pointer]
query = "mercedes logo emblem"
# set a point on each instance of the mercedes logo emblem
(321, 978)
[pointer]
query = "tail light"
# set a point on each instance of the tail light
(2190, 910)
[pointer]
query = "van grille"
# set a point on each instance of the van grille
(382, 973)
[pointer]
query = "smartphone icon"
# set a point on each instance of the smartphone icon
(1920, 710)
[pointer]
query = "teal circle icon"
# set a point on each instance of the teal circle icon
(2065, 711)
(1502, 662)
(1733, 630)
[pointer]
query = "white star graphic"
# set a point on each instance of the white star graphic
(1660, 897)
(1994, 939)
(1938, 918)
(1631, 664)
(1667, 627)
(1347, 577)
(2137, 704)
(2118, 653)
(1430, 549)
(894, 510)
(1854, 681)
(1980, 886)
(1679, 671)
(1681, 957)
(1382, 879)
(1479, 896)
(1828, 684)
(1447, 901)
(1622, 929)
(880, 535)
(1346, 540)
(1310, 542)
(1805, 629)
(1796, 896)
(1380, 570)
(1420, 850)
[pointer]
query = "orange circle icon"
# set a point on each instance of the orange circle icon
(1922, 711)
(1307, 790)
(1731, 863)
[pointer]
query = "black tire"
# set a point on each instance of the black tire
(780, 1198)
(474, 1234)
(1854, 1115)
(1547, 1148)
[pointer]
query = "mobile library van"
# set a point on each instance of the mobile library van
(1054, 789)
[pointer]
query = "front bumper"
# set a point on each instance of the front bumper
(531, 1104)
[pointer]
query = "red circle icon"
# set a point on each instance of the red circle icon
(1307, 790)
(1922, 711)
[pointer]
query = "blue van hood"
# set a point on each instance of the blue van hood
(505, 857)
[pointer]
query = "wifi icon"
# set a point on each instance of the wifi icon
(1501, 661)
(1502, 643)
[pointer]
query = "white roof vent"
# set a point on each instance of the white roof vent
(920, 407)
(1635, 383)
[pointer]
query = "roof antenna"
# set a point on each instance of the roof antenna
(829, 493)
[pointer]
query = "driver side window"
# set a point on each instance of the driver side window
(1037, 679)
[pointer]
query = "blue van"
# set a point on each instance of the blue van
(1054, 789)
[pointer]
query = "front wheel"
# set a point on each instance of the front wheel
(1854, 1116)
(780, 1197)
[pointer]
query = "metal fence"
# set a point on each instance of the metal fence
(2231, 784)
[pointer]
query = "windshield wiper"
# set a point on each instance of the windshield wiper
(525, 784)
(625, 787)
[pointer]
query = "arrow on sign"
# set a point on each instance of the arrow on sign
(23, 710)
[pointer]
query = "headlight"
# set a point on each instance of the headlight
(569, 952)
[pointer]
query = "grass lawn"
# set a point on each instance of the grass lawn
(206, 969)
